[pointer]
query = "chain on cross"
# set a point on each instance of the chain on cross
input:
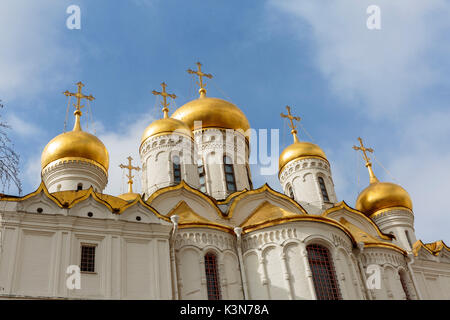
(368, 164)
(291, 120)
(164, 94)
(200, 75)
(129, 175)
(78, 95)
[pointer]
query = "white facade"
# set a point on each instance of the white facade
(302, 177)
(177, 240)
(213, 145)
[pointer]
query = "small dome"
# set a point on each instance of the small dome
(76, 144)
(382, 195)
(166, 126)
(214, 113)
(299, 150)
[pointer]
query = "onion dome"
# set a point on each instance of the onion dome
(76, 144)
(166, 125)
(129, 196)
(299, 149)
(380, 195)
(212, 112)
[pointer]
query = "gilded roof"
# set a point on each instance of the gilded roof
(435, 248)
(188, 218)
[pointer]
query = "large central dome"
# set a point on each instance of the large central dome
(213, 113)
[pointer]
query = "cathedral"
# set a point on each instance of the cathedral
(200, 230)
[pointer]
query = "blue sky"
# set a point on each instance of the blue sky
(389, 86)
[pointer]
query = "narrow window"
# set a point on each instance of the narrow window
(212, 277)
(290, 192)
(202, 178)
(176, 169)
(79, 187)
(323, 189)
(229, 174)
(324, 275)
(87, 258)
(404, 285)
(408, 238)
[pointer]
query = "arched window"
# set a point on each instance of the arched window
(324, 275)
(229, 174)
(202, 177)
(79, 187)
(323, 189)
(176, 169)
(409, 239)
(212, 276)
(290, 192)
(404, 285)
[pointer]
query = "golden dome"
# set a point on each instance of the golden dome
(299, 150)
(166, 126)
(382, 195)
(76, 144)
(213, 112)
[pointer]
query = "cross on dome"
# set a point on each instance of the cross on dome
(129, 175)
(368, 164)
(291, 120)
(200, 75)
(78, 106)
(164, 94)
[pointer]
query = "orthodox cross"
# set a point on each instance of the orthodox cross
(200, 75)
(164, 94)
(373, 179)
(78, 105)
(291, 120)
(129, 176)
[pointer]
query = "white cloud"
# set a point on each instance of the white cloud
(23, 128)
(122, 143)
(384, 74)
(380, 70)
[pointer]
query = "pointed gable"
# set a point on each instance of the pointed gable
(189, 218)
(267, 212)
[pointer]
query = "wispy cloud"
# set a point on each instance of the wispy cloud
(33, 56)
(121, 144)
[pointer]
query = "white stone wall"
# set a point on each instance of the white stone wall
(156, 158)
(397, 222)
(212, 145)
(67, 175)
(432, 274)
(277, 267)
(191, 245)
(302, 175)
(38, 248)
(391, 264)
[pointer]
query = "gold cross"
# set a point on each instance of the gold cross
(78, 105)
(368, 164)
(291, 119)
(363, 149)
(200, 75)
(129, 176)
(164, 94)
